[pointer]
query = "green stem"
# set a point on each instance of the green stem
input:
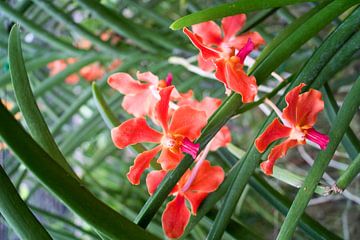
(349, 175)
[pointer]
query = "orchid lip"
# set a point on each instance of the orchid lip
(321, 139)
(249, 46)
(190, 147)
(169, 79)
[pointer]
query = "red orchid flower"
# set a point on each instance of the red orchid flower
(58, 66)
(211, 36)
(194, 186)
(298, 119)
(209, 105)
(176, 137)
(142, 94)
(92, 72)
(221, 52)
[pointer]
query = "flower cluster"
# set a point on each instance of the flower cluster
(171, 121)
(181, 119)
(92, 72)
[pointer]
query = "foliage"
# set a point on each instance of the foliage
(62, 121)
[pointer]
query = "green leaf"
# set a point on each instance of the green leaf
(17, 214)
(229, 9)
(27, 104)
(66, 188)
(68, 22)
(338, 129)
(33, 65)
(117, 22)
(38, 31)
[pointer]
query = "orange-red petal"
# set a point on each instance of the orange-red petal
(206, 65)
(302, 109)
(169, 160)
(208, 178)
(162, 107)
(240, 41)
(134, 131)
(72, 79)
(140, 104)
(125, 84)
(236, 79)
(276, 130)
(221, 139)
(231, 25)
(153, 179)
(209, 32)
(142, 162)
(277, 152)
(175, 217)
(188, 122)
(206, 52)
(195, 199)
(148, 77)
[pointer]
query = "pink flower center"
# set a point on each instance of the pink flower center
(321, 139)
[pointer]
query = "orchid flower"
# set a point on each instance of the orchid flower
(297, 121)
(142, 94)
(194, 186)
(92, 72)
(224, 38)
(176, 137)
(228, 54)
(209, 105)
(58, 66)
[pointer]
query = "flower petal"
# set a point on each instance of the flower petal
(188, 122)
(231, 25)
(195, 199)
(125, 84)
(236, 80)
(221, 139)
(276, 130)
(175, 217)
(208, 178)
(169, 160)
(209, 32)
(72, 79)
(92, 72)
(277, 152)
(148, 77)
(142, 162)
(140, 104)
(134, 131)
(240, 41)
(206, 65)
(302, 109)
(206, 52)
(153, 179)
(162, 107)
